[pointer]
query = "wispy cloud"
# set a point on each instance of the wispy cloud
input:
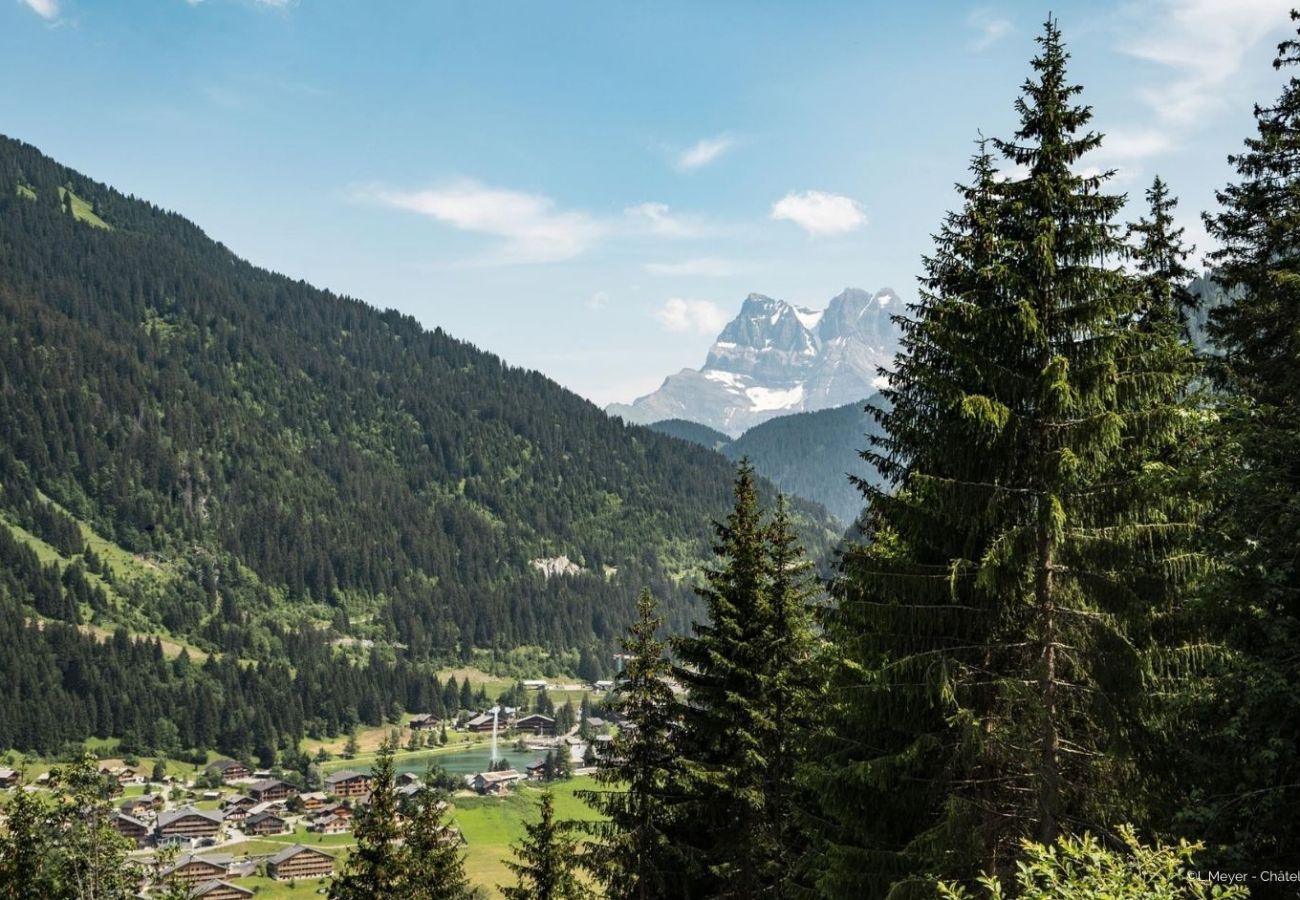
(598, 300)
(1204, 43)
(989, 28)
(683, 315)
(531, 228)
(46, 9)
(819, 213)
(659, 219)
(706, 266)
(704, 152)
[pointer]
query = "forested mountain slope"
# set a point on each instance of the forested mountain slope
(279, 455)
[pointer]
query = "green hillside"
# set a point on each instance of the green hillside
(256, 467)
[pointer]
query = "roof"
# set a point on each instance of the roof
(262, 817)
(267, 783)
(496, 777)
(223, 764)
(535, 716)
(219, 860)
(344, 775)
(208, 887)
(480, 719)
(176, 814)
(131, 820)
(291, 852)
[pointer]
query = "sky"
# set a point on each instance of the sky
(592, 188)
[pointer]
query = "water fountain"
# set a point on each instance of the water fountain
(496, 755)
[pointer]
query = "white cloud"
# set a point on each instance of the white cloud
(46, 9)
(1123, 144)
(682, 315)
(989, 28)
(598, 300)
(658, 219)
(1205, 43)
(820, 213)
(703, 152)
(531, 228)
(707, 266)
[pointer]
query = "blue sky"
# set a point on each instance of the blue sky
(592, 188)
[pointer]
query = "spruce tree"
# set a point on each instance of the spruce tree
(632, 856)
(375, 868)
(746, 672)
(546, 861)
(995, 627)
(1249, 765)
(432, 863)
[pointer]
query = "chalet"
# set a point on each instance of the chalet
(188, 822)
(424, 722)
(219, 890)
(536, 724)
(595, 722)
(137, 806)
(130, 828)
(312, 800)
(269, 790)
(190, 868)
(604, 685)
(347, 783)
(334, 809)
(299, 861)
(482, 723)
(9, 777)
(236, 814)
(495, 782)
(535, 684)
(536, 771)
(331, 824)
(264, 823)
(230, 769)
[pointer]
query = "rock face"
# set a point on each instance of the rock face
(775, 358)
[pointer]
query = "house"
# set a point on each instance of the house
(535, 684)
(130, 828)
(190, 868)
(536, 724)
(188, 822)
(313, 800)
(482, 723)
(271, 790)
(495, 782)
(334, 809)
(595, 722)
(238, 801)
(604, 685)
(264, 823)
(230, 769)
(9, 777)
(536, 771)
(299, 861)
(236, 814)
(331, 824)
(424, 722)
(347, 783)
(137, 806)
(219, 890)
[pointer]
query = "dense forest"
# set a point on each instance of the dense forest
(265, 466)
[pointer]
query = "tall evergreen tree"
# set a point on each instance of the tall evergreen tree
(994, 627)
(1250, 765)
(432, 863)
(375, 868)
(745, 671)
(632, 856)
(546, 861)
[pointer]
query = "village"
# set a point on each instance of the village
(228, 830)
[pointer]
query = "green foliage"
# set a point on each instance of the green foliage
(1084, 869)
(750, 690)
(434, 865)
(546, 861)
(633, 854)
(375, 867)
(997, 629)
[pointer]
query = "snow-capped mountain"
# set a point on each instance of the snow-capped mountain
(775, 358)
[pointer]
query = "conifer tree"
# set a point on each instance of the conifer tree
(995, 627)
(546, 861)
(745, 671)
(433, 865)
(1249, 766)
(375, 868)
(632, 856)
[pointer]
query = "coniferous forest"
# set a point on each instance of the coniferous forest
(1056, 658)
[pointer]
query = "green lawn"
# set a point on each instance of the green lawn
(82, 211)
(26, 192)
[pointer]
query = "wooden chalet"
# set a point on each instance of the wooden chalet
(536, 723)
(495, 782)
(264, 823)
(299, 861)
(192, 868)
(536, 771)
(271, 790)
(347, 783)
(331, 824)
(188, 822)
(483, 723)
(9, 777)
(230, 769)
(219, 890)
(313, 800)
(130, 828)
(424, 722)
